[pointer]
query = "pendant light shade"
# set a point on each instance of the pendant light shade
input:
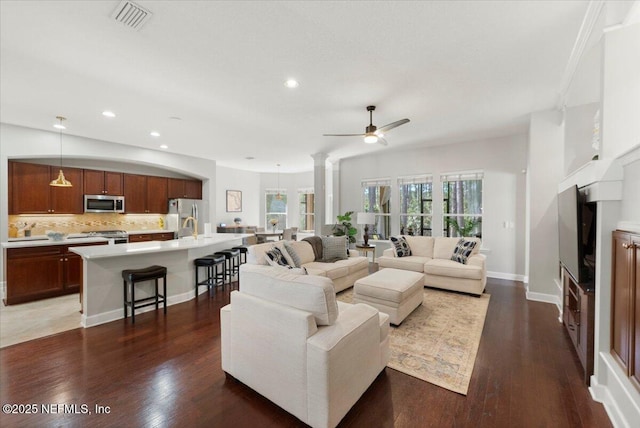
(60, 181)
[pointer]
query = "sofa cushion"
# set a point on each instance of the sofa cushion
(334, 248)
(275, 257)
(452, 269)
(412, 263)
(443, 247)
(331, 270)
(463, 251)
(293, 253)
(313, 294)
(303, 250)
(400, 245)
(256, 253)
(420, 245)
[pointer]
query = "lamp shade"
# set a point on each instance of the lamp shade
(366, 218)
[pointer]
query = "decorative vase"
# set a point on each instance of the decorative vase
(273, 226)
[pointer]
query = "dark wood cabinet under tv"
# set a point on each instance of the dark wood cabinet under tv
(578, 317)
(625, 303)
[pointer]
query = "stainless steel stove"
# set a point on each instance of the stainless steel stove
(118, 236)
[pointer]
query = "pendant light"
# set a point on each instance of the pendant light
(60, 181)
(278, 195)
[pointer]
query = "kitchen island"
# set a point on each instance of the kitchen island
(102, 272)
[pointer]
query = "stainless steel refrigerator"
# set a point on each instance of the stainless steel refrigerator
(181, 209)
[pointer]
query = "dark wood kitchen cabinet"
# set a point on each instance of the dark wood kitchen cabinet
(625, 303)
(145, 194)
(40, 272)
(31, 193)
(146, 237)
(181, 188)
(102, 182)
(578, 316)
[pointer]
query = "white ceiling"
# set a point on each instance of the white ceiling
(460, 70)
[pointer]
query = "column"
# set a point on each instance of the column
(319, 160)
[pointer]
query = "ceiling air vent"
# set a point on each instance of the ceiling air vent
(131, 15)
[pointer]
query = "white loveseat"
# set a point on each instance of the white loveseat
(343, 273)
(286, 337)
(432, 256)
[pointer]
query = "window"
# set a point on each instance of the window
(276, 207)
(462, 204)
(306, 204)
(376, 196)
(416, 204)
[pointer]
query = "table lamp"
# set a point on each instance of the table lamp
(366, 219)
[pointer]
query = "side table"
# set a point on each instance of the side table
(366, 249)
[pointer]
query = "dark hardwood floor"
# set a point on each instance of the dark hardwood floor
(165, 371)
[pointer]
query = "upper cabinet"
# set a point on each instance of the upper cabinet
(180, 188)
(31, 193)
(145, 194)
(103, 183)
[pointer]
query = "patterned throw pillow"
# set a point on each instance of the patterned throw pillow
(292, 253)
(334, 248)
(463, 250)
(400, 246)
(292, 270)
(275, 257)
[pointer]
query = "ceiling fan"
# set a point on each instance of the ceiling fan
(373, 134)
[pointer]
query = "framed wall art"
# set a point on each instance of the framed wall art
(234, 201)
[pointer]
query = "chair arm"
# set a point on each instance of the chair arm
(353, 253)
(343, 359)
(389, 252)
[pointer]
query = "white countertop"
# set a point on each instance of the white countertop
(43, 241)
(119, 250)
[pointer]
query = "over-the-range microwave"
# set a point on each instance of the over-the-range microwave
(103, 204)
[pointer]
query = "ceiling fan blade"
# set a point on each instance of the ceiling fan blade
(382, 141)
(393, 125)
(343, 135)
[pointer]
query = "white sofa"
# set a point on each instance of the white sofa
(432, 256)
(286, 337)
(343, 273)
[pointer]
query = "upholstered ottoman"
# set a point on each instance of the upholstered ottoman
(392, 291)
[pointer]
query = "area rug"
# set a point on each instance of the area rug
(438, 342)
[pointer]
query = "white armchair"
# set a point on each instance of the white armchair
(286, 337)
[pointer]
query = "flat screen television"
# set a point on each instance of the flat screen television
(577, 235)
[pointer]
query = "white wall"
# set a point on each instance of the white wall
(621, 101)
(249, 184)
(546, 134)
(289, 183)
(501, 159)
(27, 143)
(578, 133)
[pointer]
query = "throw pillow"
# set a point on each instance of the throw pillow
(463, 250)
(275, 257)
(292, 270)
(334, 248)
(292, 253)
(400, 246)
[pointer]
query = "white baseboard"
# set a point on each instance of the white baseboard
(503, 275)
(543, 297)
(106, 317)
(616, 393)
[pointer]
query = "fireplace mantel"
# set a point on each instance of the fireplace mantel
(599, 180)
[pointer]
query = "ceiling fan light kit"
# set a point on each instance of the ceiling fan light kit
(373, 134)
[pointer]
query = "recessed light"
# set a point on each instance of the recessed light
(59, 126)
(164, 146)
(291, 83)
(108, 113)
(154, 133)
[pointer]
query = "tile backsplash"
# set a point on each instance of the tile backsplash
(83, 222)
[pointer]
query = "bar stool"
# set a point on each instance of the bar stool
(215, 275)
(233, 263)
(131, 276)
(243, 253)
